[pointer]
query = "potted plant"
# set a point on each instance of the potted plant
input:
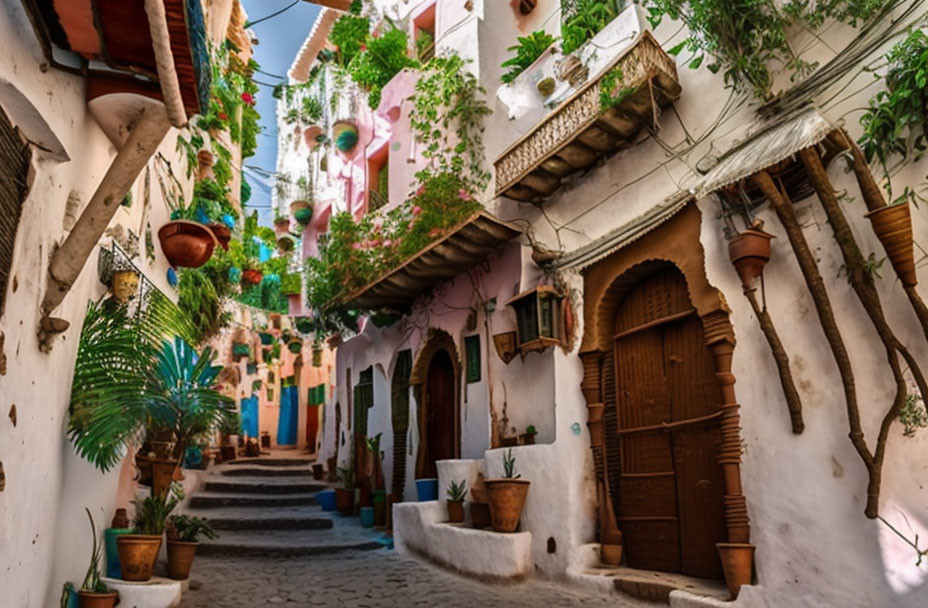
(139, 549)
(456, 494)
(230, 425)
(507, 496)
(295, 345)
(749, 252)
(93, 592)
(892, 224)
(528, 437)
(345, 135)
(344, 496)
(182, 533)
(317, 354)
(241, 350)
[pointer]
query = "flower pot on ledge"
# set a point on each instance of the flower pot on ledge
(507, 499)
(455, 511)
(137, 555)
(88, 599)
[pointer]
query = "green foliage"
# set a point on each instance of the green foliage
(189, 529)
(199, 297)
(457, 492)
(348, 35)
(312, 110)
(589, 17)
(373, 444)
(527, 52)
(291, 283)
(531, 430)
(895, 122)
(358, 251)
(447, 117)
(92, 582)
(509, 465)
(113, 393)
(379, 61)
(151, 512)
(913, 415)
(346, 475)
(425, 45)
(814, 12)
(611, 91)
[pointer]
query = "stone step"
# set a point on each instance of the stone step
(205, 500)
(260, 486)
(273, 462)
(270, 523)
(253, 471)
(278, 543)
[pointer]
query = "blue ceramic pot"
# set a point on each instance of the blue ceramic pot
(427, 489)
(367, 516)
(326, 500)
(113, 570)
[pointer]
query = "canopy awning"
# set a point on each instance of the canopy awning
(770, 145)
(465, 246)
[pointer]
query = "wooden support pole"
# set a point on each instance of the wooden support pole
(793, 401)
(862, 283)
(70, 257)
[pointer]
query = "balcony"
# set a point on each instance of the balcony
(580, 132)
(462, 248)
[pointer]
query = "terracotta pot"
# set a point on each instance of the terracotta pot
(143, 465)
(455, 511)
(180, 559)
(318, 472)
(749, 253)
(610, 555)
(344, 501)
(87, 599)
(507, 497)
(737, 564)
(302, 212)
(480, 515)
(162, 475)
(204, 164)
(222, 233)
(285, 243)
(527, 438)
(893, 226)
(186, 244)
(252, 276)
(282, 226)
(137, 555)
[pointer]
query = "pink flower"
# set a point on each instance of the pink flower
(248, 98)
(420, 190)
(356, 245)
(374, 242)
(388, 243)
(416, 210)
(434, 232)
(463, 194)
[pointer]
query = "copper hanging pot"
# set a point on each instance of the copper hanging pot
(893, 226)
(749, 253)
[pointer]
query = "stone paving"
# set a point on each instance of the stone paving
(379, 578)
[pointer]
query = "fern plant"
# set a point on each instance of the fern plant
(527, 52)
(187, 529)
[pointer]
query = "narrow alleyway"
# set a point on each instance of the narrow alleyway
(277, 546)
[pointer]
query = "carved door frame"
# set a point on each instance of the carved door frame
(437, 340)
(605, 283)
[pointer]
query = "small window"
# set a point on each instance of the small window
(472, 352)
(378, 174)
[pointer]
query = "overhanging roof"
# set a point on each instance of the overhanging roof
(770, 145)
(465, 246)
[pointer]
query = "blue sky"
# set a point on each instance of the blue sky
(280, 38)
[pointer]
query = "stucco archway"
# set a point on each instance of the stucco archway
(438, 345)
(675, 243)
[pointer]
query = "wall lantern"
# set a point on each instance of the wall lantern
(538, 318)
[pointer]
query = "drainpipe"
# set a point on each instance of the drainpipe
(69, 258)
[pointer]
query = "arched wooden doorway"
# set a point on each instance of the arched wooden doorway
(662, 424)
(436, 377)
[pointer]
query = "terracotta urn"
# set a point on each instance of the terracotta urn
(87, 599)
(893, 226)
(506, 498)
(749, 253)
(137, 554)
(187, 244)
(180, 559)
(737, 564)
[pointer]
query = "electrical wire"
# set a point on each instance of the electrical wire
(272, 15)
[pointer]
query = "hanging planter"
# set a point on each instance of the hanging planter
(345, 136)
(266, 338)
(304, 325)
(317, 355)
(125, 285)
(285, 243)
(186, 244)
(527, 6)
(204, 164)
(295, 346)
(311, 136)
(302, 212)
(241, 350)
(282, 226)
(222, 233)
(252, 276)
(749, 253)
(893, 226)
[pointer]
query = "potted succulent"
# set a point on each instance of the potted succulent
(507, 496)
(139, 549)
(93, 592)
(344, 496)
(456, 494)
(182, 533)
(528, 437)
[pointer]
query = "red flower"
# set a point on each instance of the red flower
(435, 232)
(248, 98)
(363, 47)
(416, 210)
(420, 190)
(223, 116)
(463, 194)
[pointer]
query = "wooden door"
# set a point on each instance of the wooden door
(669, 501)
(439, 412)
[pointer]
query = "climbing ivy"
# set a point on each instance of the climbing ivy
(381, 58)
(447, 117)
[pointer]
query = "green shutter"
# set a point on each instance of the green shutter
(472, 352)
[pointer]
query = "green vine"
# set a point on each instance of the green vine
(527, 52)
(447, 117)
(380, 59)
(586, 19)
